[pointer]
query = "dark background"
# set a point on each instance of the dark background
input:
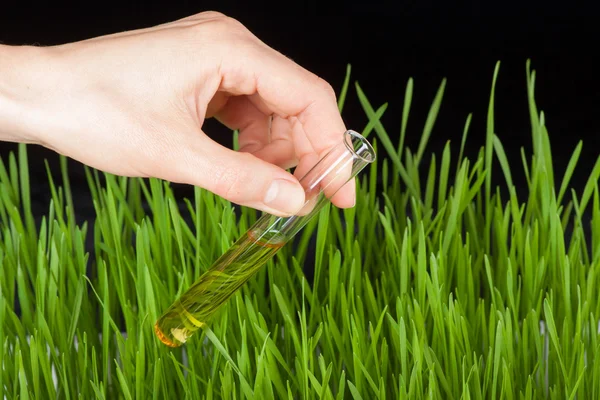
(386, 43)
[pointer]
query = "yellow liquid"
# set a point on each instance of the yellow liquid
(199, 303)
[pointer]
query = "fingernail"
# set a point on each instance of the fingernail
(284, 196)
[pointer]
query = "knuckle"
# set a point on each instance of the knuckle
(326, 87)
(210, 14)
(233, 23)
(220, 28)
(225, 23)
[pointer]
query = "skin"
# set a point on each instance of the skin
(134, 104)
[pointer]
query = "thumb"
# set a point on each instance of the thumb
(244, 179)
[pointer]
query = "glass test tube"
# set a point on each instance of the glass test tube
(245, 257)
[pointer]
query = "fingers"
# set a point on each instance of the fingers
(280, 149)
(345, 196)
(291, 93)
(289, 90)
(239, 113)
(276, 143)
(241, 178)
(269, 141)
(278, 152)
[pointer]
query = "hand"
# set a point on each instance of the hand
(134, 104)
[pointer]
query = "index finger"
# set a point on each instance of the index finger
(290, 91)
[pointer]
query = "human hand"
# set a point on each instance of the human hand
(134, 104)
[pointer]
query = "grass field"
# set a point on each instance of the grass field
(440, 283)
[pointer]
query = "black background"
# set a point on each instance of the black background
(386, 43)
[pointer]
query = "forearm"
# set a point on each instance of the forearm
(22, 92)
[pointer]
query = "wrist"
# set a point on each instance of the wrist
(23, 92)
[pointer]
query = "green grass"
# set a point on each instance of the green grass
(443, 282)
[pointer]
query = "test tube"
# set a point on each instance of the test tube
(194, 309)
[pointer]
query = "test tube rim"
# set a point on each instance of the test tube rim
(349, 135)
